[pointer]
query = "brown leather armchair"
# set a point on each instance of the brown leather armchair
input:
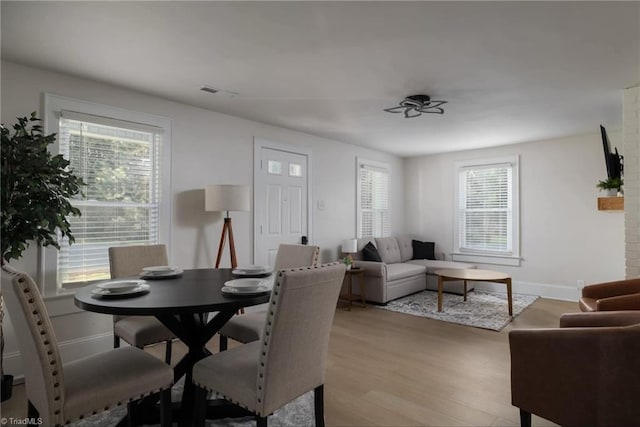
(585, 373)
(619, 295)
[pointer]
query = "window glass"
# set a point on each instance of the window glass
(274, 167)
(295, 169)
(373, 200)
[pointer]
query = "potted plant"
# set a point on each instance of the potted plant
(348, 262)
(35, 188)
(611, 186)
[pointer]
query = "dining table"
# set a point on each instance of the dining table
(191, 304)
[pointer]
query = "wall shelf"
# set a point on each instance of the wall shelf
(611, 203)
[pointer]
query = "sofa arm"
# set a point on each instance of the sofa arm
(611, 289)
(373, 268)
(599, 319)
(620, 302)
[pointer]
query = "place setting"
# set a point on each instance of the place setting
(159, 272)
(247, 286)
(120, 288)
(252, 271)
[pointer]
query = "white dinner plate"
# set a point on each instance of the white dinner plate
(265, 272)
(245, 284)
(253, 269)
(161, 275)
(159, 269)
(241, 291)
(119, 286)
(140, 289)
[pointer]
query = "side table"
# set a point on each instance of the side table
(349, 297)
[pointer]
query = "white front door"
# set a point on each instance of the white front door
(280, 200)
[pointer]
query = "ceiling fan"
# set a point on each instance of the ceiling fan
(415, 105)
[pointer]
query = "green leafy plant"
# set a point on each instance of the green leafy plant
(347, 261)
(35, 190)
(611, 184)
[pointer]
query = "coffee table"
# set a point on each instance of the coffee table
(472, 275)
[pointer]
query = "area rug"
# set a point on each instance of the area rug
(297, 413)
(481, 310)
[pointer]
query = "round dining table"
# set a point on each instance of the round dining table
(191, 305)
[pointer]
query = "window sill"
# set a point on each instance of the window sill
(513, 261)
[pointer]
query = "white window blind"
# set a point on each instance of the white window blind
(486, 204)
(120, 163)
(373, 200)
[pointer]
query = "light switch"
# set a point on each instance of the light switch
(320, 205)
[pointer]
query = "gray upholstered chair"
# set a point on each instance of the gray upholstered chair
(289, 361)
(139, 331)
(584, 373)
(248, 327)
(60, 393)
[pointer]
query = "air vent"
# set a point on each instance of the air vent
(209, 89)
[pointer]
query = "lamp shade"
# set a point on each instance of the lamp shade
(349, 246)
(218, 198)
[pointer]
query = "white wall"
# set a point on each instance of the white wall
(564, 238)
(208, 148)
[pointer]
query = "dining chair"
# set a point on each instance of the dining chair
(248, 327)
(139, 331)
(290, 359)
(585, 373)
(60, 393)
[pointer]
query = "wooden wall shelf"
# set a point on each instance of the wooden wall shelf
(611, 203)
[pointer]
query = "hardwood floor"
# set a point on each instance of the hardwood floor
(392, 369)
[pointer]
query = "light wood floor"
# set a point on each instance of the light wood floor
(392, 369)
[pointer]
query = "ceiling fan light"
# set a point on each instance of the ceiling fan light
(415, 105)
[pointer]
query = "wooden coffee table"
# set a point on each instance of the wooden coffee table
(472, 275)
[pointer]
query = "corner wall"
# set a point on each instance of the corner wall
(631, 136)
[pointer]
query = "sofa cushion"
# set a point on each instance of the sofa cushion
(406, 248)
(362, 242)
(433, 264)
(370, 253)
(423, 250)
(401, 270)
(388, 249)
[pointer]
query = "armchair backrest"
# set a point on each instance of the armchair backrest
(296, 333)
(43, 371)
(291, 256)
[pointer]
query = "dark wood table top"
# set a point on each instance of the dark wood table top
(195, 291)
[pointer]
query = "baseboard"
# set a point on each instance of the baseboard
(70, 350)
(543, 290)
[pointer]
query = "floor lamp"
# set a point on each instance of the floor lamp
(226, 198)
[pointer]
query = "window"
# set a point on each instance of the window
(486, 216)
(373, 199)
(125, 201)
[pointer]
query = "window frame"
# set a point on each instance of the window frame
(510, 258)
(47, 276)
(360, 163)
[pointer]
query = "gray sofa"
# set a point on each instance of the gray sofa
(398, 274)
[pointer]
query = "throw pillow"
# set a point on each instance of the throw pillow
(370, 253)
(423, 250)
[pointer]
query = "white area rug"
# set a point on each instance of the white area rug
(481, 310)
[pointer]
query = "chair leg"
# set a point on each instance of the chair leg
(116, 341)
(223, 343)
(261, 421)
(200, 409)
(131, 414)
(32, 414)
(165, 408)
(525, 418)
(318, 404)
(167, 352)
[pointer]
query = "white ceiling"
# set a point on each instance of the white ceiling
(511, 71)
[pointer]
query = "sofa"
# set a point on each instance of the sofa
(398, 274)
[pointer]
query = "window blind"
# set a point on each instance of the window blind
(374, 201)
(485, 208)
(120, 162)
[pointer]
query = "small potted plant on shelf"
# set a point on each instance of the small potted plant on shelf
(35, 188)
(348, 262)
(611, 186)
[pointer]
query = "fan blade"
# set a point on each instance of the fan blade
(410, 116)
(397, 109)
